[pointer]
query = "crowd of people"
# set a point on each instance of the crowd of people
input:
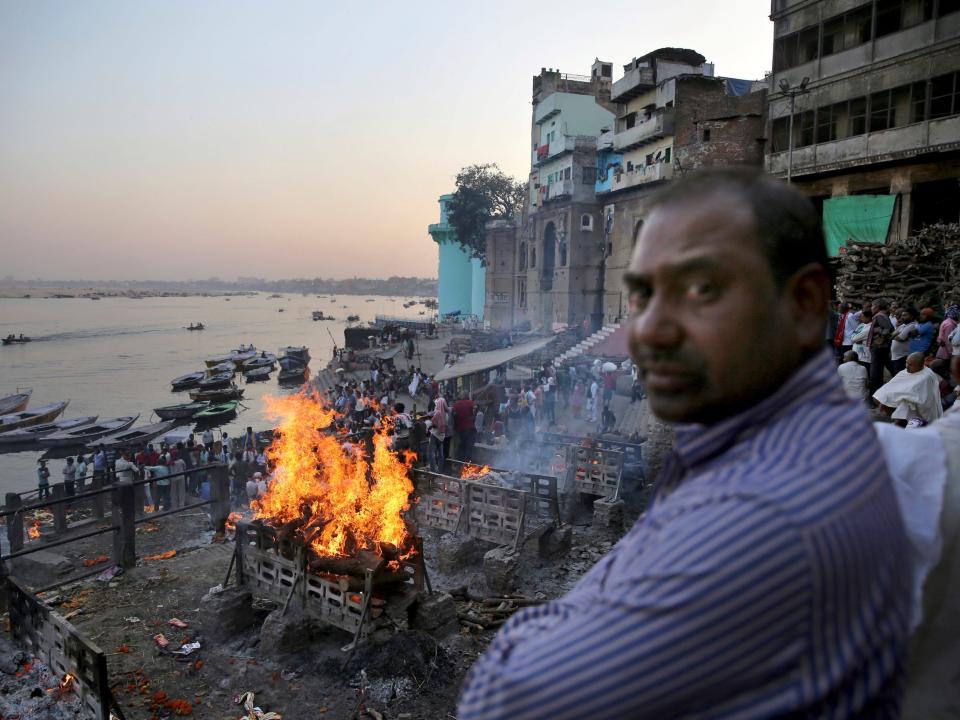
(897, 359)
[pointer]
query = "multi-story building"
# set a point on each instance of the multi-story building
(557, 282)
(673, 116)
(461, 278)
(864, 112)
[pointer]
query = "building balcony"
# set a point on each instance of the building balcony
(562, 189)
(546, 109)
(657, 127)
(634, 82)
(641, 175)
(605, 140)
(560, 145)
(875, 147)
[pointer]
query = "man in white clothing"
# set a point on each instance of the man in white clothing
(854, 376)
(914, 392)
(125, 467)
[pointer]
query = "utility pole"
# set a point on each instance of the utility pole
(801, 89)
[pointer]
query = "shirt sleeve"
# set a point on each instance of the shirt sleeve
(681, 617)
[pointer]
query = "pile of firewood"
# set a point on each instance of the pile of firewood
(922, 270)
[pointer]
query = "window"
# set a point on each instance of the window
(706, 134)
(562, 246)
(522, 292)
(629, 121)
(803, 126)
(666, 156)
(943, 96)
(918, 101)
(857, 24)
(889, 17)
(827, 122)
(589, 175)
(629, 165)
(832, 36)
(650, 159)
(857, 122)
(566, 174)
(533, 257)
(586, 222)
(523, 256)
(881, 111)
(807, 42)
(786, 52)
(945, 7)
(779, 134)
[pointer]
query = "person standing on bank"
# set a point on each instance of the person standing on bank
(43, 480)
(881, 335)
(770, 574)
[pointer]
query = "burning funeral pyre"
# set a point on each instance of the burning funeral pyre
(331, 528)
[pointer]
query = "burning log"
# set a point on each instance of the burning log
(355, 565)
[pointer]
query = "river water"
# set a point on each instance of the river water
(116, 356)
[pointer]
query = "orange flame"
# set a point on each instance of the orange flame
(33, 532)
(67, 682)
(350, 501)
(473, 471)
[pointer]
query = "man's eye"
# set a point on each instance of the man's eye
(637, 299)
(700, 290)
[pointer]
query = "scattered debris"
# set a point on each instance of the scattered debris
(252, 712)
(178, 623)
(98, 560)
(162, 556)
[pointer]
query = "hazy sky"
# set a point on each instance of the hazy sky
(177, 139)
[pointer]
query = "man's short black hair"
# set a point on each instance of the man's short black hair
(786, 222)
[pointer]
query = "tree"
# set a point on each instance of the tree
(483, 193)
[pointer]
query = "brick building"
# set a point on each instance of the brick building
(875, 92)
(673, 115)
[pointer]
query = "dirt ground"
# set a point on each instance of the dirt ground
(413, 676)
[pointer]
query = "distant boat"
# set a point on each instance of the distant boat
(198, 326)
(187, 381)
(228, 393)
(183, 411)
(352, 318)
(35, 432)
(16, 339)
(318, 315)
(16, 402)
(280, 310)
(219, 380)
(132, 436)
(224, 367)
(87, 433)
(218, 412)
(370, 300)
(235, 356)
(26, 418)
(256, 374)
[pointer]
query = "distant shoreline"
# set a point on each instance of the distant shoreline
(46, 292)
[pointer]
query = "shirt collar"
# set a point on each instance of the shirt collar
(696, 443)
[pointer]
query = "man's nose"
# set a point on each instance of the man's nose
(655, 326)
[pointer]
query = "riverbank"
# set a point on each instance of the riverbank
(59, 292)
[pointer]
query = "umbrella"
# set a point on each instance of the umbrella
(608, 367)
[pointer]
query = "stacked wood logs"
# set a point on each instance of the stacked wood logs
(921, 271)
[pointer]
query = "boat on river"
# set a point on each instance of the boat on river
(86, 433)
(183, 411)
(237, 357)
(133, 436)
(16, 402)
(294, 355)
(35, 432)
(214, 382)
(265, 360)
(26, 418)
(293, 376)
(187, 381)
(232, 392)
(198, 326)
(319, 315)
(217, 413)
(257, 374)
(224, 367)
(16, 340)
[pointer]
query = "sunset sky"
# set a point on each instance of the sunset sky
(185, 139)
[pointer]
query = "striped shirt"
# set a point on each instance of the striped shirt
(769, 577)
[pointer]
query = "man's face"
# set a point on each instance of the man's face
(709, 330)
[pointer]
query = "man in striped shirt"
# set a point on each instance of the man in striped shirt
(769, 576)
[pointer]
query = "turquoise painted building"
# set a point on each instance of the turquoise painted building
(462, 279)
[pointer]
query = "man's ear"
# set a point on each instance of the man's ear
(808, 291)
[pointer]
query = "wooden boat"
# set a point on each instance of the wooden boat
(318, 315)
(260, 373)
(35, 432)
(237, 357)
(352, 318)
(217, 412)
(187, 381)
(198, 326)
(133, 436)
(294, 354)
(228, 393)
(224, 367)
(87, 433)
(216, 381)
(26, 418)
(183, 411)
(15, 403)
(16, 340)
(295, 375)
(261, 361)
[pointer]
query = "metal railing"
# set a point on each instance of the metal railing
(127, 510)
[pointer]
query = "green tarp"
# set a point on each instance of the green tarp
(856, 218)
